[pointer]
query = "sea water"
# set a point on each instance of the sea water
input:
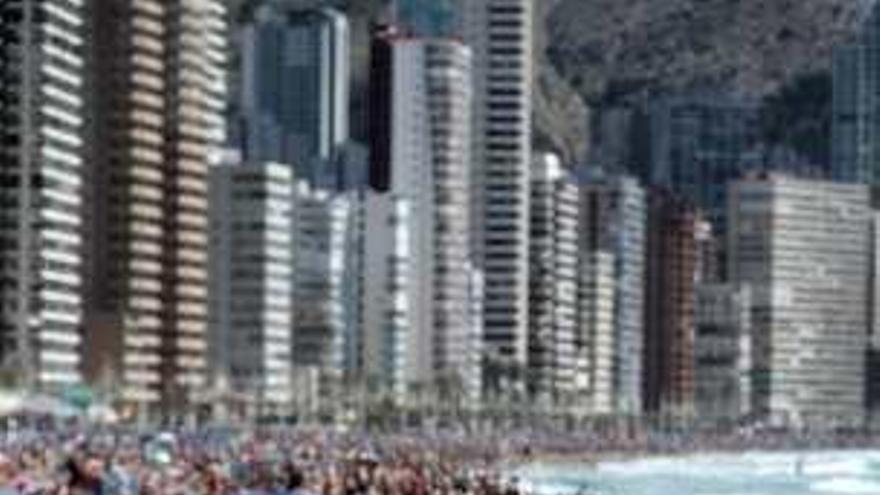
(753, 473)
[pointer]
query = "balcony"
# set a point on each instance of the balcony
(152, 7)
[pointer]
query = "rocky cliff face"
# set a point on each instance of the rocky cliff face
(777, 51)
(609, 49)
(560, 115)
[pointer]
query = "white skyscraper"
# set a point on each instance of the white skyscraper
(251, 283)
(385, 317)
(613, 220)
(472, 361)
(421, 145)
(553, 291)
(41, 126)
(803, 249)
(321, 227)
(597, 338)
(500, 33)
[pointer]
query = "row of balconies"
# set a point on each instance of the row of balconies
(149, 25)
(148, 43)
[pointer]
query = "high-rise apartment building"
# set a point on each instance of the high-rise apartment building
(612, 225)
(553, 280)
(157, 101)
(42, 119)
(321, 228)
(710, 245)
(421, 155)
(670, 279)
(802, 249)
(472, 362)
(351, 359)
(699, 143)
(382, 348)
(848, 116)
(294, 85)
(872, 372)
(596, 340)
(855, 152)
(619, 137)
(385, 319)
(722, 352)
(500, 34)
(251, 280)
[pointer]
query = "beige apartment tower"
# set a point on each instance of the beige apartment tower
(499, 33)
(157, 98)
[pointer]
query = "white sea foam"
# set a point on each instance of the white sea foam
(551, 488)
(851, 467)
(816, 473)
(845, 486)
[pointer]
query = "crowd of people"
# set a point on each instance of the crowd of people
(257, 463)
(82, 461)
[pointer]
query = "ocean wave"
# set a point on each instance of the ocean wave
(846, 467)
(845, 486)
(752, 473)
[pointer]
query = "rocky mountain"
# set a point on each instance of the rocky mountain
(778, 51)
(609, 49)
(560, 115)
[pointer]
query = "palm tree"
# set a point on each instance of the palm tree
(11, 377)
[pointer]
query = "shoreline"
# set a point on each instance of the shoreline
(593, 459)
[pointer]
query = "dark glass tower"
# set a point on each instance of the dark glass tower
(855, 147)
(426, 17)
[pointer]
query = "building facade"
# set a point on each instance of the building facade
(855, 154)
(385, 318)
(596, 340)
(295, 84)
(251, 280)
(848, 116)
(474, 351)
(42, 125)
(699, 143)
(722, 352)
(321, 228)
(872, 374)
(612, 232)
(802, 249)
(671, 275)
(553, 281)
(500, 34)
(156, 106)
(421, 155)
